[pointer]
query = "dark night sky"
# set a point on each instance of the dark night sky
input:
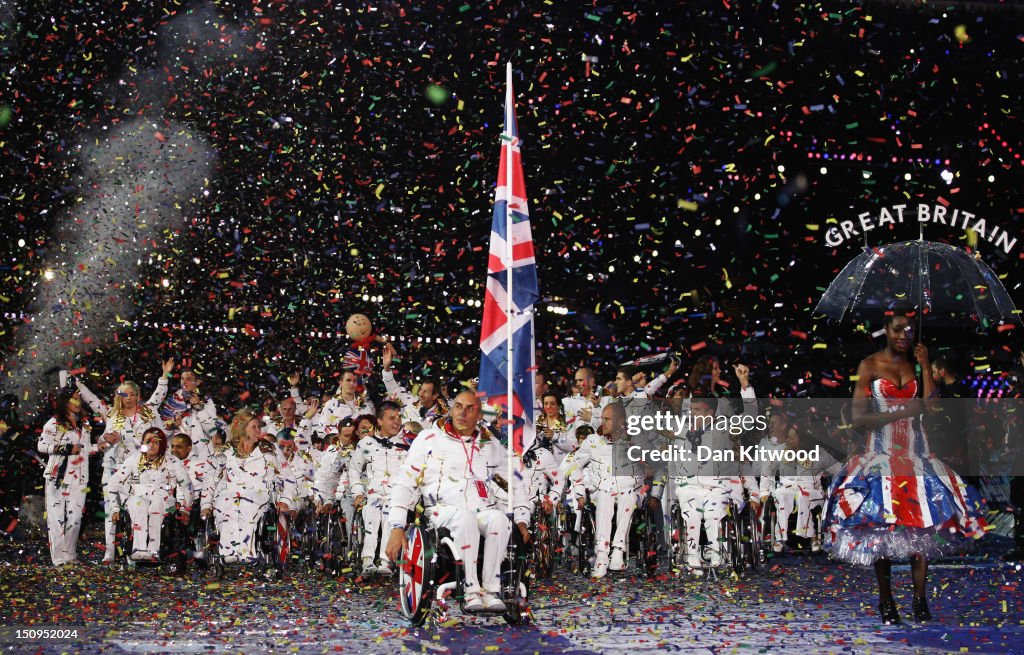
(676, 145)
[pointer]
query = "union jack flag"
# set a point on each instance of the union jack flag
(510, 207)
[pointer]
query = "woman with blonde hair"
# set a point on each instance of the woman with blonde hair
(249, 484)
(126, 423)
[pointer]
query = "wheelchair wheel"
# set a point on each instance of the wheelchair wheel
(305, 539)
(123, 539)
(516, 580)
(416, 575)
(585, 541)
(753, 539)
(356, 537)
(769, 515)
(645, 543)
(174, 543)
(268, 544)
(731, 540)
(211, 539)
(679, 545)
(544, 544)
(326, 543)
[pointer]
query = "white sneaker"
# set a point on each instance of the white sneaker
(108, 559)
(492, 602)
(384, 568)
(618, 562)
(368, 567)
(777, 547)
(474, 602)
(600, 567)
(696, 571)
(815, 545)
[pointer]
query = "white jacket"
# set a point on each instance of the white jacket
(545, 481)
(410, 403)
(374, 462)
(170, 477)
(330, 482)
(338, 408)
(446, 470)
(301, 470)
(131, 429)
(595, 455)
(254, 480)
(57, 442)
(203, 472)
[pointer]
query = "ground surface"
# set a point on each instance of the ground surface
(800, 605)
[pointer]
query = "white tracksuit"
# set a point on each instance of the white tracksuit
(704, 489)
(454, 477)
(374, 462)
(798, 487)
(148, 496)
(65, 494)
(330, 481)
(246, 489)
(202, 471)
(301, 470)
(410, 403)
(544, 477)
(703, 493)
(616, 495)
(131, 430)
(198, 425)
(338, 408)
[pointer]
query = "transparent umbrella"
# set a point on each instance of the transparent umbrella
(946, 283)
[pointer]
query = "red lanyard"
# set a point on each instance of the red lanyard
(469, 454)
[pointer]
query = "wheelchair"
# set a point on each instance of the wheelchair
(174, 539)
(334, 553)
(739, 548)
(431, 570)
(645, 534)
(579, 542)
(545, 532)
(272, 541)
(303, 539)
(794, 542)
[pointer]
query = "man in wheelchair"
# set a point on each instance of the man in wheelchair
(592, 468)
(151, 485)
(453, 469)
(795, 487)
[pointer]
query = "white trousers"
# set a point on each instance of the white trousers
(697, 502)
(109, 507)
(466, 527)
(237, 522)
(374, 511)
(787, 498)
(64, 505)
(147, 511)
(620, 506)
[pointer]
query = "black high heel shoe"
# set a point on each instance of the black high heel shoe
(921, 612)
(890, 615)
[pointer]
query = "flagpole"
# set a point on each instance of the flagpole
(509, 430)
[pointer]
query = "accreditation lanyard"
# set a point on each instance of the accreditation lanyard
(481, 488)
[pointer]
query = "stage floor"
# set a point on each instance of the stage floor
(800, 605)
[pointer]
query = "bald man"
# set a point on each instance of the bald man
(452, 467)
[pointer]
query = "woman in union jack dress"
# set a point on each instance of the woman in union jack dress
(897, 501)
